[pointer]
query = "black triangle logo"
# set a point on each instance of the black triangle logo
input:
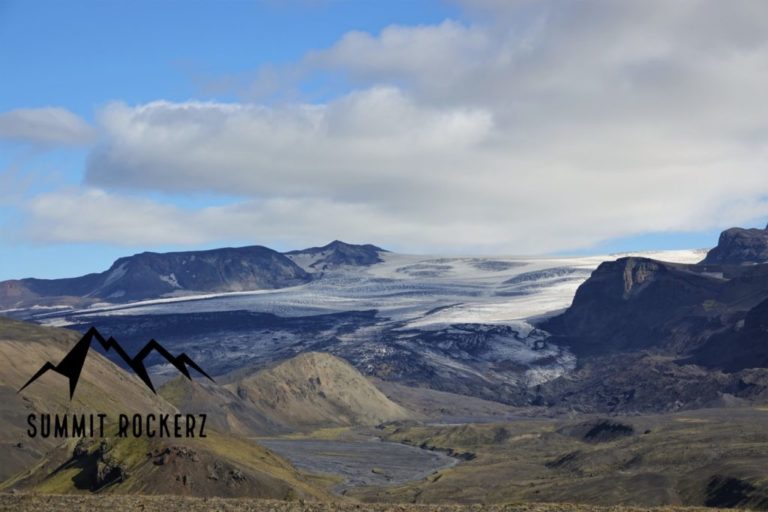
(72, 364)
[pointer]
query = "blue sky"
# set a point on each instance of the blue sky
(423, 126)
(84, 54)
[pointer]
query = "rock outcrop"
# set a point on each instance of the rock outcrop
(739, 246)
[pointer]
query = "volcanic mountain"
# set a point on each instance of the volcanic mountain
(151, 275)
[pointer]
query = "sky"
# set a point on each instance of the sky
(457, 127)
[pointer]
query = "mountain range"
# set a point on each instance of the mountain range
(708, 312)
(423, 322)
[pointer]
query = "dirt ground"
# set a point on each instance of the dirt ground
(112, 503)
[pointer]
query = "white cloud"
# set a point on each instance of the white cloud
(93, 215)
(352, 148)
(49, 126)
(540, 126)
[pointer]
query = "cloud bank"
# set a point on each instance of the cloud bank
(532, 127)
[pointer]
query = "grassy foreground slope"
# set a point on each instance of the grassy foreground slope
(221, 465)
(102, 387)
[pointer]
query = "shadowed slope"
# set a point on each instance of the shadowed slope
(72, 364)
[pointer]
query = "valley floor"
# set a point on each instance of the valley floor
(50, 503)
(716, 457)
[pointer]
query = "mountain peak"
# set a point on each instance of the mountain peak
(336, 254)
(341, 245)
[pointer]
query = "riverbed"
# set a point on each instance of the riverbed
(360, 462)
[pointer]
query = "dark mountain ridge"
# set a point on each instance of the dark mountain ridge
(150, 275)
(633, 303)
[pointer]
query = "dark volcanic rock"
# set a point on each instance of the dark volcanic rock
(656, 336)
(633, 303)
(337, 254)
(636, 382)
(743, 345)
(715, 316)
(739, 246)
(150, 275)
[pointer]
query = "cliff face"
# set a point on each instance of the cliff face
(633, 303)
(713, 313)
(652, 335)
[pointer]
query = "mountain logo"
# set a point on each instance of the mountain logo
(72, 364)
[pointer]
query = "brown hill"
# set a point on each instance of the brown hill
(314, 390)
(226, 411)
